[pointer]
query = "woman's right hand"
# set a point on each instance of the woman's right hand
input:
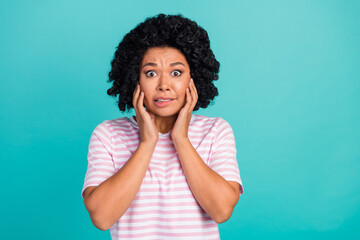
(145, 119)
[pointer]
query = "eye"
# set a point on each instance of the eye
(150, 73)
(176, 73)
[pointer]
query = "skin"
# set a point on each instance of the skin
(107, 202)
(163, 72)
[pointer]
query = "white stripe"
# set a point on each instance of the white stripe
(164, 201)
(167, 223)
(175, 231)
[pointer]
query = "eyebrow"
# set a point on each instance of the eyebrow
(177, 63)
(154, 64)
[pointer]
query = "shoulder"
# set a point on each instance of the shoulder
(114, 126)
(215, 123)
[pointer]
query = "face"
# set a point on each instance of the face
(164, 77)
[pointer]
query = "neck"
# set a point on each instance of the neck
(165, 124)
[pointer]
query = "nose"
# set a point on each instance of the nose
(164, 83)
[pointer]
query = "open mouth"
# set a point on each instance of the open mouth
(163, 100)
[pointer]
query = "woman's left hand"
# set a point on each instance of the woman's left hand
(181, 126)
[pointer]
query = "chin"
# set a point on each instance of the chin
(165, 112)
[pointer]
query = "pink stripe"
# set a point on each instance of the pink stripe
(97, 144)
(223, 126)
(165, 212)
(161, 197)
(203, 152)
(226, 170)
(227, 163)
(99, 170)
(164, 169)
(204, 125)
(133, 136)
(103, 164)
(160, 204)
(169, 161)
(148, 234)
(172, 182)
(164, 158)
(170, 146)
(230, 176)
(166, 226)
(165, 140)
(135, 145)
(166, 219)
(106, 160)
(199, 132)
(93, 182)
(171, 151)
(167, 174)
(105, 141)
(157, 190)
(225, 149)
(103, 132)
(127, 156)
(119, 165)
(121, 128)
(121, 148)
(97, 152)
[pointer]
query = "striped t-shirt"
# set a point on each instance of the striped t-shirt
(164, 207)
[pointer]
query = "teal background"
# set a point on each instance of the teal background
(289, 86)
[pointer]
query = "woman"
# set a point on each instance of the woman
(166, 173)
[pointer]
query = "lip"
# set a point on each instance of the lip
(163, 104)
(163, 98)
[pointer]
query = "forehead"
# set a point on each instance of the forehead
(163, 54)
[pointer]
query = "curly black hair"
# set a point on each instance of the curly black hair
(160, 31)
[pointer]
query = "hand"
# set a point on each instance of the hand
(181, 126)
(144, 118)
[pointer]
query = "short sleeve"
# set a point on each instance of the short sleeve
(100, 157)
(223, 153)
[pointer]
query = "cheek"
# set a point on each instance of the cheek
(147, 99)
(182, 96)
(182, 90)
(147, 93)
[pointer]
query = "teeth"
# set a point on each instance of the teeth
(161, 100)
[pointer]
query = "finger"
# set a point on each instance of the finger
(191, 93)
(194, 89)
(136, 96)
(136, 90)
(194, 94)
(188, 99)
(140, 103)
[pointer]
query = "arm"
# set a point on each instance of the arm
(216, 196)
(107, 202)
